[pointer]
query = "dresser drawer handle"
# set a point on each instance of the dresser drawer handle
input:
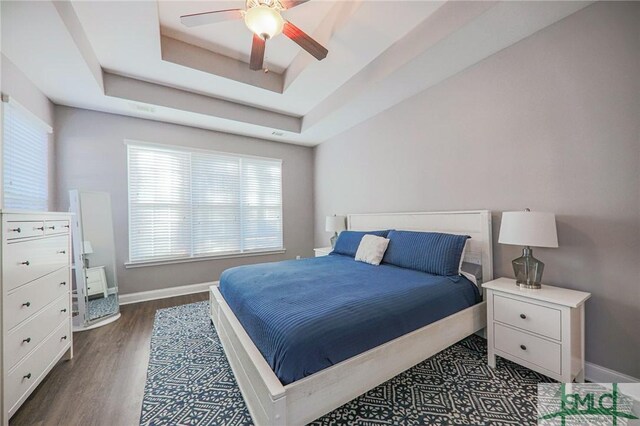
(39, 228)
(523, 347)
(66, 226)
(27, 340)
(26, 376)
(27, 304)
(63, 283)
(18, 230)
(63, 310)
(64, 337)
(51, 227)
(25, 263)
(62, 252)
(523, 316)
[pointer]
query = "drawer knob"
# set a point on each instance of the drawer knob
(27, 376)
(27, 304)
(27, 340)
(39, 228)
(63, 310)
(64, 337)
(523, 316)
(51, 227)
(66, 226)
(62, 252)
(18, 230)
(523, 347)
(63, 283)
(25, 263)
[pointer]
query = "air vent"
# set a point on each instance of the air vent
(143, 108)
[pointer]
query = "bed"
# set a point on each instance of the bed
(304, 337)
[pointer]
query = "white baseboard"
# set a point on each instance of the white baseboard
(598, 374)
(163, 293)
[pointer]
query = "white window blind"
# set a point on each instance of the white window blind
(25, 161)
(189, 204)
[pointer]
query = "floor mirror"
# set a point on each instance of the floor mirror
(96, 283)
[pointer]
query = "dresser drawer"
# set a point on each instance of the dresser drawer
(528, 316)
(535, 350)
(52, 227)
(21, 340)
(23, 229)
(29, 299)
(24, 376)
(24, 261)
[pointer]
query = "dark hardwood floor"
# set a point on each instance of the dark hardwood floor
(104, 382)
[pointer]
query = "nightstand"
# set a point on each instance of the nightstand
(540, 329)
(322, 251)
(96, 281)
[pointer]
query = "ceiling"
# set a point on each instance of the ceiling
(135, 58)
(232, 39)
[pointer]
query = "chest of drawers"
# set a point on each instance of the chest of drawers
(36, 301)
(540, 329)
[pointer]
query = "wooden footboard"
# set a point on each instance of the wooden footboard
(271, 403)
(260, 387)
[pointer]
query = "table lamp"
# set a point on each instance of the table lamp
(86, 249)
(528, 229)
(334, 224)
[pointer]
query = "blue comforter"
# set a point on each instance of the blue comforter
(306, 315)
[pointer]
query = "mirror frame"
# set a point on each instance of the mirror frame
(84, 323)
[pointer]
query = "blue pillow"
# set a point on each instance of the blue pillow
(348, 241)
(430, 252)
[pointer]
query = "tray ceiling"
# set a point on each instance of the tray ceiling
(135, 58)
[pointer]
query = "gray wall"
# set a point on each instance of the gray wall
(92, 156)
(551, 123)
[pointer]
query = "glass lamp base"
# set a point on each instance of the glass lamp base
(528, 270)
(333, 240)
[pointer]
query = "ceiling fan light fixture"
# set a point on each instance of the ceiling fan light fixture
(264, 21)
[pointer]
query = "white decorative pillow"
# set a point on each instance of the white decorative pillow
(371, 249)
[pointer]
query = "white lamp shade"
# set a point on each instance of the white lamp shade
(535, 229)
(335, 224)
(87, 247)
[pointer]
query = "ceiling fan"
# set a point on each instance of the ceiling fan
(264, 19)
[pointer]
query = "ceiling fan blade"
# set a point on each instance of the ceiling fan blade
(257, 53)
(205, 18)
(305, 41)
(288, 4)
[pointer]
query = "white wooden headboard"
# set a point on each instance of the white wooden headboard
(476, 224)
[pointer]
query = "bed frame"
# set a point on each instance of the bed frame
(298, 403)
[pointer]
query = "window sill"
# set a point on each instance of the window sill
(145, 263)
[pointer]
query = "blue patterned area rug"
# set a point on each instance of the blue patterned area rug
(189, 382)
(103, 306)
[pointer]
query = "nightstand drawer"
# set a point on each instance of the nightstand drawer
(528, 316)
(527, 347)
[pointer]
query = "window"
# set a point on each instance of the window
(25, 159)
(194, 203)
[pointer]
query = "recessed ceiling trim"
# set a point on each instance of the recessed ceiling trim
(156, 94)
(337, 17)
(194, 57)
(459, 50)
(74, 27)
